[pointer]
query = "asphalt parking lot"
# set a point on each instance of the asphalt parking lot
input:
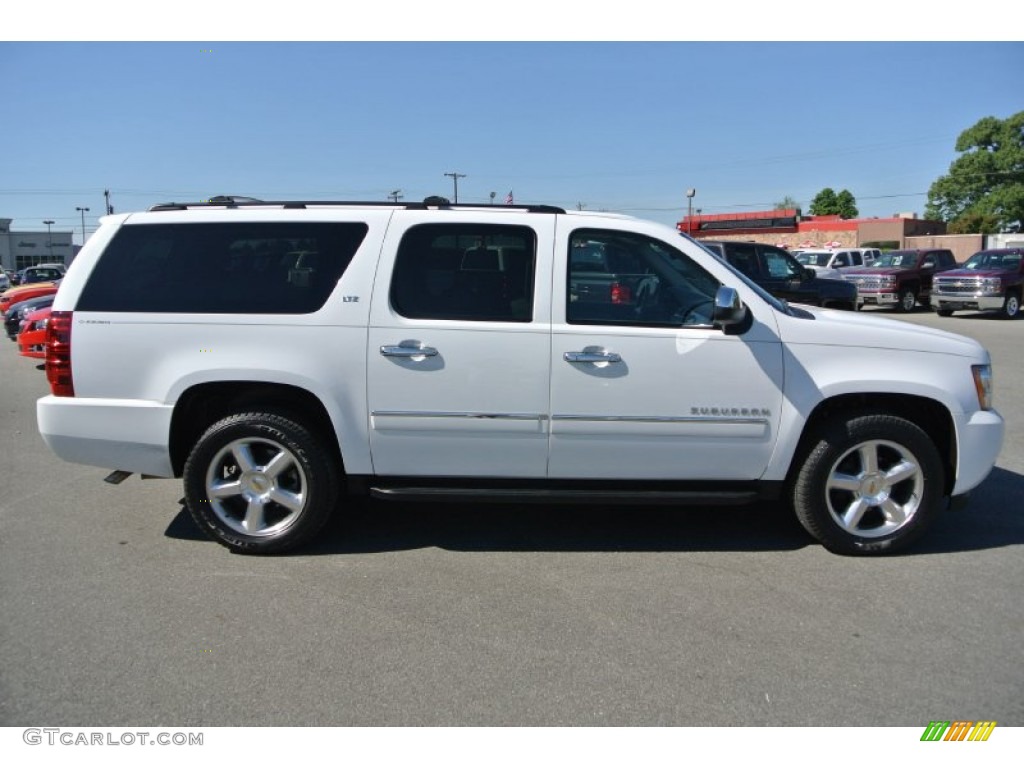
(115, 610)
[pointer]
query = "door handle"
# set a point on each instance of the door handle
(408, 349)
(592, 356)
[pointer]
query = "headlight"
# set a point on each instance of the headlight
(991, 285)
(887, 281)
(983, 385)
(40, 325)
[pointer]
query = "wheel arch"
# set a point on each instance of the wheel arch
(929, 415)
(201, 405)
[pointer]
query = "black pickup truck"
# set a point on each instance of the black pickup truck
(778, 272)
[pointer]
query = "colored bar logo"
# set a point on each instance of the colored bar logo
(958, 730)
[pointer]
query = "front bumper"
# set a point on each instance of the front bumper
(979, 440)
(881, 299)
(967, 301)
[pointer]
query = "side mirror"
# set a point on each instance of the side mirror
(729, 310)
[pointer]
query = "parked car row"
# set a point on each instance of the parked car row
(26, 311)
(991, 280)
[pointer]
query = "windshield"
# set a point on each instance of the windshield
(896, 259)
(814, 259)
(993, 260)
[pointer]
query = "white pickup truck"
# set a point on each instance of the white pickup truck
(830, 264)
(281, 355)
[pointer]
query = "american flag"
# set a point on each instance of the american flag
(508, 198)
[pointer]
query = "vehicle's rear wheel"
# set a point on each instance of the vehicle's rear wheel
(1011, 306)
(260, 483)
(907, 301)
(870, 483)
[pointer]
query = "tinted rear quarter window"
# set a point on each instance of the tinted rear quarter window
(226, 268)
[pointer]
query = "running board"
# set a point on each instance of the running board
(563, 495)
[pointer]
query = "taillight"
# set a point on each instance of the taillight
(621, 294)
(58, 354)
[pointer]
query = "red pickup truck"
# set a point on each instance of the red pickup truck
(989, 281)
(901, 278)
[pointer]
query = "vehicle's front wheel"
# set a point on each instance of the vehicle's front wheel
(870, 483)
(908, 300)
(1011, 306)
(260, 483)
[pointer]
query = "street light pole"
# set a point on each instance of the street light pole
(689, 212)
(83, 211)
(49, 237)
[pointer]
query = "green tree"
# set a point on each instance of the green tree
(971, 222)
(988, 177)
(828, 202)
(846, 205)
(824, 203)
(786, 203)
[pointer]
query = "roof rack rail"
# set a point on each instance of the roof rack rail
(234, 201)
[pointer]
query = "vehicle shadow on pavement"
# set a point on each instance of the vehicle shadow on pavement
(366, 526)
(991, 520)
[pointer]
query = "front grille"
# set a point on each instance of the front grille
(959, 284)
(867, 283)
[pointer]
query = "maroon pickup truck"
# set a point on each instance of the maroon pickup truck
(901, 278)
(989, 280)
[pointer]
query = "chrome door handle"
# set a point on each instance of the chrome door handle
(407, 349)
(592, 356)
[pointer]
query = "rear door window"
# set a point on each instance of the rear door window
(468, 272)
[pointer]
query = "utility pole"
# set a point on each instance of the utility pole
(49, 237)
(455, 179)
(395, 195)
(83, 211)
(106, 196)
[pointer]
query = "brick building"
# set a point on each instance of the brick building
(790, 229)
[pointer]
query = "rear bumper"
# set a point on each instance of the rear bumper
(115, 434)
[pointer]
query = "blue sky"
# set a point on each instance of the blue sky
(618, 126)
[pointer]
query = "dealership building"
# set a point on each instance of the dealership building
(790, 229)
(25, 249)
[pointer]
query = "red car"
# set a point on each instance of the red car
(32, 337)
(23, 292)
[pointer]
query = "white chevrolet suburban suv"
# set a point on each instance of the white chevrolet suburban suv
(280, 355)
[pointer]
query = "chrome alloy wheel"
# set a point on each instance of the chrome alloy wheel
(256, 487)
(874, 489)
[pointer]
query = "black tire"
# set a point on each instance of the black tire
(280, 501)
(853, 509)
(1011, 306)
(907, 300)
(945, 312)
